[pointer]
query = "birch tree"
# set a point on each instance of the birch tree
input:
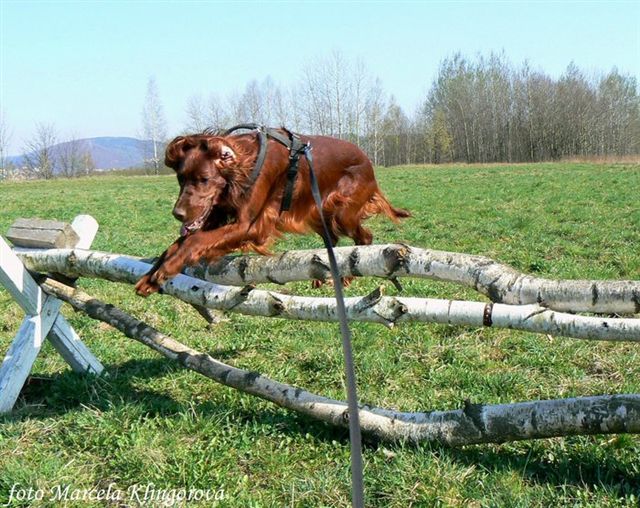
(482, 109)
(330, 86)
(153, 125)
(619, 110)
(498, 112)
(196, 114)
(396, 127)
(252, 105)
(5, 138)
(373, 121)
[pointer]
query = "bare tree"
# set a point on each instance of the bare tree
(73, 158)
(328, 86)
(495, 112)
(210, 115)
(481, 109)
(619, 111)
(275, 111)
(251, 106)
(196, 114)
(396, 128)
(375, 105)
(316, 100)
(360, 84)
(261, 102)
(5, 138)
(153, 125)
(86, 162)
(217, 117)
(292, 106)
(340, 98)
(282, 112)
(39, 157)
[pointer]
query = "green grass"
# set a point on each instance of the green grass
(149, 421)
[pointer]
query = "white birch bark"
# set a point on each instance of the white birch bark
(474, 423)
(501, 283)
(372, 308)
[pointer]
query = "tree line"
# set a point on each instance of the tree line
(43, 157)
(477, 110)
(488, 111)
(482, 109)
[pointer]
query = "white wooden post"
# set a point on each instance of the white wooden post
(43, 320)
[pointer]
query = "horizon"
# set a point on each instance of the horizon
(97, 88)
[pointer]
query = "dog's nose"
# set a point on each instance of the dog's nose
(179, 214)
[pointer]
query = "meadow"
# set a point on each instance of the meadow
(149, 421)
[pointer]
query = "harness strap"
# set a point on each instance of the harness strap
(243, 126)
(272, 133)
(357, 485)
(262, 151)
(297, 148)
(293, 143)
(275, 134)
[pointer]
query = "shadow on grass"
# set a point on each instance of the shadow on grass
(582, 462)
(577, 464)
(66, 391)
(119, 387)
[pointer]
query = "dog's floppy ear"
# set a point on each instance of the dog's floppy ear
(221, 152)
(177, 150)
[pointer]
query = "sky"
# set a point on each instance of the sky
(84, 66)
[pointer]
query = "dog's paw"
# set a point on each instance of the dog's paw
(346, 281)
(147, 285)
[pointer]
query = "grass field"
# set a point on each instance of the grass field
(148, 421)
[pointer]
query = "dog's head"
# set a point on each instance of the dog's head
(202, 164)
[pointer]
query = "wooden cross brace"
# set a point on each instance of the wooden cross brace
(43, 318)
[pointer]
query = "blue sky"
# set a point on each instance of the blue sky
(84, 65)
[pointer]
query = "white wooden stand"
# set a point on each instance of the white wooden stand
(43, 320)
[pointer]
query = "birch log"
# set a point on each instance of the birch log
(501, 283)
(372, 308)
(473, 424)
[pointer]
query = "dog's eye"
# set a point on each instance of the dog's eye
(204, 181)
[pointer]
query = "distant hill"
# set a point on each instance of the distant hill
(109, 152)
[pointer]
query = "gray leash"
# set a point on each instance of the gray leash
(357, 484)
(296, 147)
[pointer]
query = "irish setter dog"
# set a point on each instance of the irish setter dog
(221, 211)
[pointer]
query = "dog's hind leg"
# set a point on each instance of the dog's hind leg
(333, 238)
(344, 217)
(348, 218)
(362, 236)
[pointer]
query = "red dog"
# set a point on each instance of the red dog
(222, 211)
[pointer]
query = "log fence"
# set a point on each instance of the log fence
(516, 301)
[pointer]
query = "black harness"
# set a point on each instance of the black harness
(291, 141)
(296, 149)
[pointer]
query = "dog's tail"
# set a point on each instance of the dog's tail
(378, 203)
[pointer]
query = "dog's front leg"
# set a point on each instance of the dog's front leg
(185, 251)
(188, 251)
(150, 282)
